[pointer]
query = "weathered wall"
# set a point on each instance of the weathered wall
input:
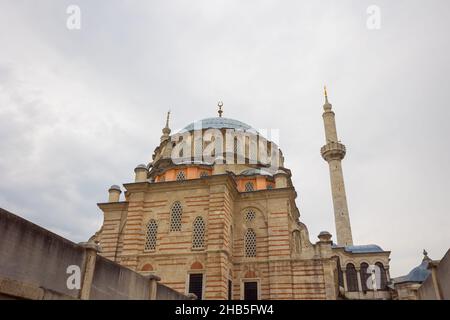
(35, 256)
(34, 261)
(427, 290)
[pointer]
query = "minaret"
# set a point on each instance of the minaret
(333, 152)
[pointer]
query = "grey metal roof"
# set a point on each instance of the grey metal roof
(418, 274)
(217, 123)
(253, 172)
(367, 248)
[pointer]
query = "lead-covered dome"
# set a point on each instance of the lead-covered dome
(217, 123)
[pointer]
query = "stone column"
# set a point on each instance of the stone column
(153, 286)
(344, 277)
(89, 267)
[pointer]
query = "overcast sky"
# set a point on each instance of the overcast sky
(79, 109)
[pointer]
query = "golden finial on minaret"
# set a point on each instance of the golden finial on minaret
(220, 105)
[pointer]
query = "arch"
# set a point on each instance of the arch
(249, 186)
(151, 233)
(196, 266)
(147, 267)
(250, 243)
(364, 275)
(352, 278)
(176, 211)
(198, 233)
(383, 276)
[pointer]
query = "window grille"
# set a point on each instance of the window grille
(175, 216)
(198, 233)
(181, 176)
(250, 215)
(250, 243)
(150, 235)
(249, 187)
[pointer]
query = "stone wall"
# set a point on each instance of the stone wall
(34, 262)
(437, 284)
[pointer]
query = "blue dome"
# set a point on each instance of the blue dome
(418, 274)
(217, 123)
(368, 248)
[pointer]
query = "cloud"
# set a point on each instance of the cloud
(79, 109)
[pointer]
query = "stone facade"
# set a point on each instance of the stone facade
(233, 226)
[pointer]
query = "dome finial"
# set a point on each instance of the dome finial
(167, 119)
(220, 105)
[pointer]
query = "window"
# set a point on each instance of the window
(383, 276)
(269, 186)
(150, 235)
(250, 215)
(364, 276)
(181, 176)
(249, 187)
(204, 174)
(196, 284)
(230, 290)
(251, 290)
(250, 243)
(175, 216)
(198, 233)
(352, 278)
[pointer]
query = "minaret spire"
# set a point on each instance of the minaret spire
(220, 111)
(166, 130)
(333, 152)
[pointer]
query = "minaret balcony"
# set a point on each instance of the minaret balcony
(333, 151)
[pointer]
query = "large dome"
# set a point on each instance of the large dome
(217, 123)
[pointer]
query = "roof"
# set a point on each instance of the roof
(253, 172)
(418, 274)
(217, 123)
(367, 248)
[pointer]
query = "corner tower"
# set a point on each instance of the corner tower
(333, 152)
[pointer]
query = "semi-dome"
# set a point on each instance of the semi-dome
(217, 123)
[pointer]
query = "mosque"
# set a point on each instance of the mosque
(214, 214)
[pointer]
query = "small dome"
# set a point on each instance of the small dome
(115, 187)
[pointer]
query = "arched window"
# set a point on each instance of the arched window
(181, 176)
(297, 244)
(250, 215)
(364, 276)
(198, 233)
(204, 174)
(249, 187)
(175, 216)
(383, 276)
(352, 278)
(150, 235)
(250, 243)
